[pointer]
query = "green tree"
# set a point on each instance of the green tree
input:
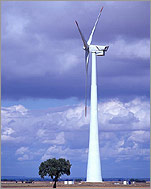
(54, 168)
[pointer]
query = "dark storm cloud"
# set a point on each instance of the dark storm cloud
(42, 52)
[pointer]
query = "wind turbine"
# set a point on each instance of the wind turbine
(94, 165)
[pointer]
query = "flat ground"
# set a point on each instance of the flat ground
(83, 185)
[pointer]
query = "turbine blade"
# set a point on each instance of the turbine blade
(86, 58)
(93, 30)
(83, 39)
(86, 80)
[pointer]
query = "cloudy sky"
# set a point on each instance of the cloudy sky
(43, 78)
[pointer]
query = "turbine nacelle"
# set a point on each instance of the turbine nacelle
(98, 48)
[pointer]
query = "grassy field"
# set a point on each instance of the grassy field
(81, 187)
(77, 185)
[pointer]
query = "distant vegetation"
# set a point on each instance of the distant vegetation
(77, 179)
(137, 180)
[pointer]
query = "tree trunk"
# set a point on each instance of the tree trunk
(54, 186)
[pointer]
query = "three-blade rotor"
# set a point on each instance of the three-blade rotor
(86, 45)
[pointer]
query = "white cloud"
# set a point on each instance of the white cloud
(58, 140)
(132, 115)
(122, 150)
(130, 50)
(69, 61)
(124, 127)
(22, 150)
(120, 143)
(61, 152)
(26, 153)
(8, 131)
(139, 136)
(24, 157)
(41, 133)
(13, 112)
(7, 138)
(15, 25)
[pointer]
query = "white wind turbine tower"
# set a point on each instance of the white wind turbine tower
(94, 165)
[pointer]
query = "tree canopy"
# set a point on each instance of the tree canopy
(54, 168)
